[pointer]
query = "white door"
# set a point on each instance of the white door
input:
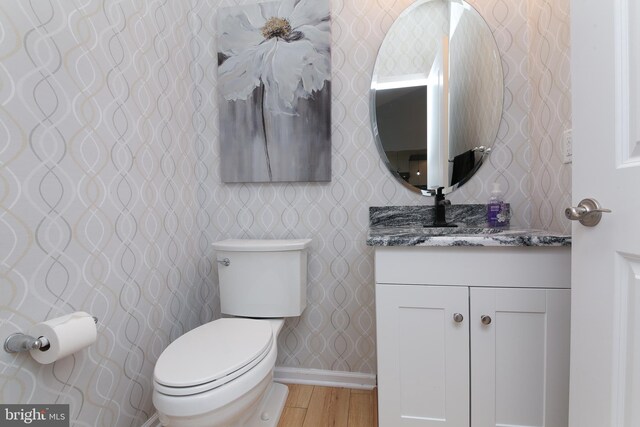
(423, 355)
(519, 357)
(605, 306)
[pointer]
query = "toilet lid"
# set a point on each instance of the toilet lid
(213, 351)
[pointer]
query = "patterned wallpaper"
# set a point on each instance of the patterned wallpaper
(550, 114)
(111, 193)
(102, 202)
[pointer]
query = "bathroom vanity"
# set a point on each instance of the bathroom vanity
(472, 324)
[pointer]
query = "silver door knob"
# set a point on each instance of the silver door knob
(588, 212)
(486, 320)
(458, 317)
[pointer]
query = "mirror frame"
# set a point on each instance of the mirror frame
(374, 120)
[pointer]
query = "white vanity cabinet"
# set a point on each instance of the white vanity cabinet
(473, 336)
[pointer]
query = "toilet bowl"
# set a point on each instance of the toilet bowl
(221, 373)
(221, 392)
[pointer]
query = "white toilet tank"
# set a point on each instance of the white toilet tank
(263, 278)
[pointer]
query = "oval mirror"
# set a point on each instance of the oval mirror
(436, 95)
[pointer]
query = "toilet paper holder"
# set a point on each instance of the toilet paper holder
(19, 342)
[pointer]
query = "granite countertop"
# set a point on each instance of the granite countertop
(403, 226)
(413, 236)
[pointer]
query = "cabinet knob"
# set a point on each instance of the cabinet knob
(486, 320)
(458, 317)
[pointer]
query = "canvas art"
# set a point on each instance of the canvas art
(274, 91)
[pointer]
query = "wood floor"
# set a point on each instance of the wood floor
(314, 406)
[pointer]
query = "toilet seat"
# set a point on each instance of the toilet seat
(212, 355)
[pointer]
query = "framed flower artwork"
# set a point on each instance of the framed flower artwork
(274, 91)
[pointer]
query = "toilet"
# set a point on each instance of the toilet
(221, 373)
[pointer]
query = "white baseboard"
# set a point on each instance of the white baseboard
(321, 377)
(153, 421)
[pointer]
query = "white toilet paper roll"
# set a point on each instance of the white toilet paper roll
(66, 335)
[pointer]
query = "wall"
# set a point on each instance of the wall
(550, 115)
(102, 201)
(111, 191)
(337, 330)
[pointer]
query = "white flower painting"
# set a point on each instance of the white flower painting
(274, 89)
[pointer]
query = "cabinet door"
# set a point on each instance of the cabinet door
(520, 360)
(423, 356)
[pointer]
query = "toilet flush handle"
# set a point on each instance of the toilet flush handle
(226, 262)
